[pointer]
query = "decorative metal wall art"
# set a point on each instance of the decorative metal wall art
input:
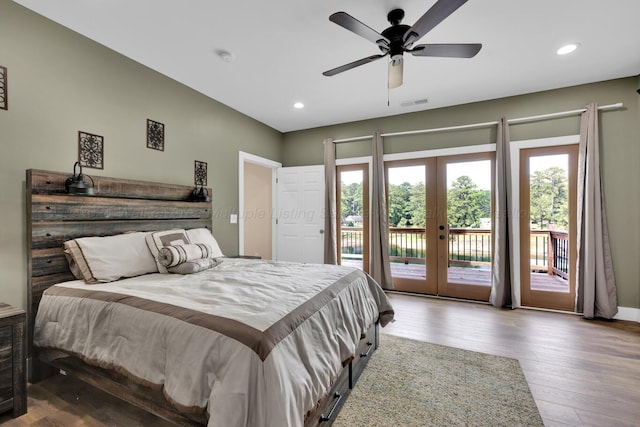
(4, 89)
(200, 173)
(155, 135)
(90, 150)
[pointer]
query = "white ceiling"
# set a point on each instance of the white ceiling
(282, 47)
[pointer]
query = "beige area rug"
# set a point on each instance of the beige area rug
(412, 383)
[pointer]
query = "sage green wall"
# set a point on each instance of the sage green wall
(620, 153)
(60, 83)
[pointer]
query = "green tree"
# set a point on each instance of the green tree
(549, 195)
(466, 204)
(416, 205)
(399, 210)
(351, 200)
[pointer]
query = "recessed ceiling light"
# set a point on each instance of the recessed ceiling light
(298, 105)
(566, 49)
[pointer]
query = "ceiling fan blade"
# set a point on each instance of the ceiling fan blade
(427, 22)
(352, 24)
(447, 50)
(353, 64)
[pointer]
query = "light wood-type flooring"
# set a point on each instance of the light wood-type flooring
(580, 372)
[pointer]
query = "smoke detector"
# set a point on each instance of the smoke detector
(225, 55)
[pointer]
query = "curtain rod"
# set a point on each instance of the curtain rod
(485, 124)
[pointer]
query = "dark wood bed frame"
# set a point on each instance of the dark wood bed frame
(122, 205)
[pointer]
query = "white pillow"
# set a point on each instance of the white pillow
(113, 257)
(203, 235)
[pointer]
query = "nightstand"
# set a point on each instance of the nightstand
(13, 348)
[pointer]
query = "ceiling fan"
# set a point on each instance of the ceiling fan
(399, 38)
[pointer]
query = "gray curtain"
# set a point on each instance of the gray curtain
(596, 286)
(502, 290)
(380, 267)
(330, 228)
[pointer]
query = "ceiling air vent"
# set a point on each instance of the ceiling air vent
(414, 102)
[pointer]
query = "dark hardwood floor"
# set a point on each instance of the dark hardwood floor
(580, 372)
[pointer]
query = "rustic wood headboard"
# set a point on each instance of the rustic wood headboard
(120, 205)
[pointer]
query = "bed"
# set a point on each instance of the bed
(247, 342)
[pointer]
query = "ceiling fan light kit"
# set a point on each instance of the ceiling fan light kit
(395, 71)
(400, 38)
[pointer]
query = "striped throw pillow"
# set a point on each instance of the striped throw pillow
(170, 256)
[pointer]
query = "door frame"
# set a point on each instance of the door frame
(514, 157)
(366, 206)
(356, 161)
(537, 298)
(429, 285)
(445, 287)
(264, 162)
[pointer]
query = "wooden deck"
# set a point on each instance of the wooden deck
(472, 276)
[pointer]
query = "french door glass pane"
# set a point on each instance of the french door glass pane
(351, 218)
(549, 222)
(407, 217)
(469, 221)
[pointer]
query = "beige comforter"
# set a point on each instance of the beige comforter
(255, 343)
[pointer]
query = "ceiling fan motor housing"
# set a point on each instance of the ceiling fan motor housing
(395, 33)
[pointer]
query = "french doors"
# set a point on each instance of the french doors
(440, 224)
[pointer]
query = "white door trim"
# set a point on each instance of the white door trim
(273, 165)
(439, 152)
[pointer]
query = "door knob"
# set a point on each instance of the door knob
(441, 227)
(441, 237)
(321, 231)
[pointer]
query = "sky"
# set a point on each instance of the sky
(544, 162)
(478, 171)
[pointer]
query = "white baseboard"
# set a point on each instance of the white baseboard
(624, 313)
(628, 313)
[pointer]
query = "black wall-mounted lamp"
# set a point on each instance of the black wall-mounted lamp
(200, 194)
(76, 185)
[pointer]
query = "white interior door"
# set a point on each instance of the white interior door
(300, 219)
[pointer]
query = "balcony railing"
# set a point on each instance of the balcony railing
(468, 247)
(550, 252)
(407, 245)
